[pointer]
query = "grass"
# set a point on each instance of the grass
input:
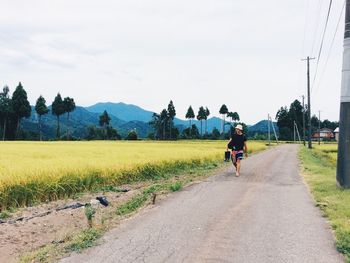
(175, 186)
(319, 167)
(84, 240)
(36, 172)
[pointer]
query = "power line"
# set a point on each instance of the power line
(331, 47)
(321, 46)
(317, 26)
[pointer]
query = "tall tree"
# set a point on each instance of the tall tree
(164, 121)
(69, 106)
(41, 109)
(57, 110)
(230, 115)
(235, 116)
(190, 115)
(284, 123)
(171, 114)
(5, 109)
(207, 114)
(201, 116)
(223, 110)
(20, 104)
(104, 121)
(156, 124)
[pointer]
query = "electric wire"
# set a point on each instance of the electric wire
(322, 41)
(317, 26)
(331, 47)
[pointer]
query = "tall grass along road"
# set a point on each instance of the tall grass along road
(266, 215)
(319, 170)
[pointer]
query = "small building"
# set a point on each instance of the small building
(325, 134)
(336, 134)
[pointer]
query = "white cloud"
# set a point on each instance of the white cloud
(242, 53)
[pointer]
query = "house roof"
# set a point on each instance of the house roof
(337, 129)
(326, 130)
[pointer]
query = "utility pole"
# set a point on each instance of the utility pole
(308, 97)
(294, 130)
(319, 127)
(268, 125)
(343, 163)
(304, 120)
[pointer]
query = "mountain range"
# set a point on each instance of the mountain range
(124, 117)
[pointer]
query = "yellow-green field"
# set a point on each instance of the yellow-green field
(33, 172)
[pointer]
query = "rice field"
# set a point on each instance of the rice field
(327, 151)
(33, 172)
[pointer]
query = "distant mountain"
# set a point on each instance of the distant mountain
(135, 115)
(262, 127)
(126, 112)
(124, 117)
(212, 123)
(142, 128)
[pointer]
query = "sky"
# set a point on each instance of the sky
(245, 54)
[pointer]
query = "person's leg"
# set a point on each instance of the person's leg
(233, 159)
(238, 167)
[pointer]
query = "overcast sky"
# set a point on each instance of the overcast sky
(245, 54)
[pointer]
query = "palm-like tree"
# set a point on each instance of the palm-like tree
(223, 110)
(164, 120)
(104, 121)
(57, 110)
(41, 109)
(171, 114)
(5, 108)
(207, 113)
(69, 106)
(201, 116)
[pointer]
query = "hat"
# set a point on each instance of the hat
(239, 127)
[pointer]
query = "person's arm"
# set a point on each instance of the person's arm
(245, 149)
(228, 144)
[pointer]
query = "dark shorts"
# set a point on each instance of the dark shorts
(237, 155)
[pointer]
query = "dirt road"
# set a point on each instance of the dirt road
(266, 215)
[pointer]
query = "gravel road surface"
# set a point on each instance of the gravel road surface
(266, 215)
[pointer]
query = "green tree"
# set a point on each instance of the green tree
(20, 104)
(207, 114)
(190, 115)
(223, 110)
(215, 135)
(104, 121)
(5, 109)
(69, 106)
(284, 123)
(156, 124)
(132, 135)
(235, 116)
(112, 134)
(171, 115)
(164, 121)
(201, 116)
(58, 109)
(41, 109)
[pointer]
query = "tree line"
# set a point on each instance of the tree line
(164, 128)
(287, 116)
(16, 107)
